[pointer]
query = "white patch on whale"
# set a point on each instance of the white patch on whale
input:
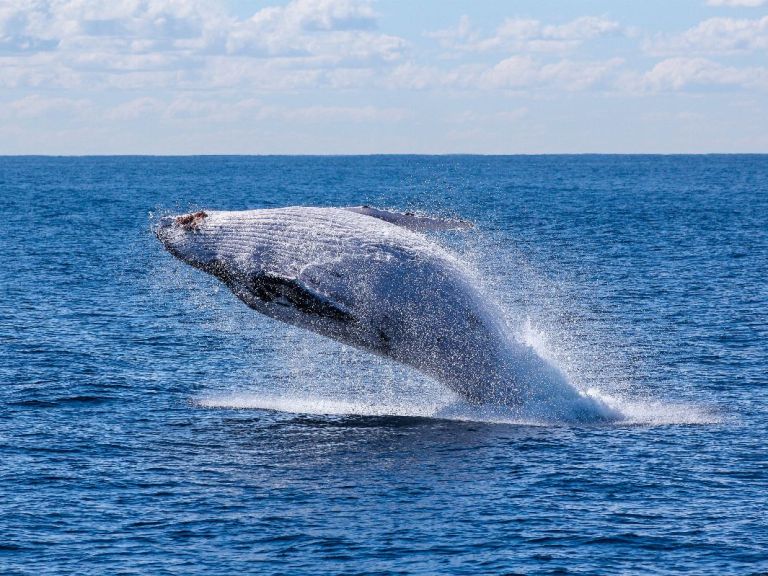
(366, 278)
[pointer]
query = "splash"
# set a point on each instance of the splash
(313, 376)
(548, 392)
(649, 413)
(317, 405)
(307, 374)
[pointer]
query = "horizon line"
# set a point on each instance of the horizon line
(371, 154)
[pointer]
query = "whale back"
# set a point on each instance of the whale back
(288, 239)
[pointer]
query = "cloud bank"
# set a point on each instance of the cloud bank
(147, 69)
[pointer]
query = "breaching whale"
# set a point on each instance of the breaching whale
(372, 279)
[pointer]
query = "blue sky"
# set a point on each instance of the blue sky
(387, 76)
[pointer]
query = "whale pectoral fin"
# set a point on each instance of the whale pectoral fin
(273, 288)
(412, 221)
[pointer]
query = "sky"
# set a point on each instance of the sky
(387, 76)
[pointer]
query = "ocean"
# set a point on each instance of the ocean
(153, 424)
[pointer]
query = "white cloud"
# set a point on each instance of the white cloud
(126, 44)
(128, 25)
(414, 76)
(681, 73)
(520, 72)
(526, 35)
(715, 36)
(248, 110)
(168, 72)
(135, 109)
(472, 117)
(292, 31)
(37, 106)
(737, 3)
(524, 74)
(314, 15)
(356, 114)
(139, 45)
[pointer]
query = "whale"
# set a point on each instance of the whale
(375, 280)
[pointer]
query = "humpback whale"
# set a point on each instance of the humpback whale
(374, 280)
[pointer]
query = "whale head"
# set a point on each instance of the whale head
(197, 239)
(266, 263)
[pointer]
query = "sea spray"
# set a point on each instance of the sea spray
(527, 382)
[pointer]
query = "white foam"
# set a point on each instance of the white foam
(621, 412)
(654, 412)
(316, 405)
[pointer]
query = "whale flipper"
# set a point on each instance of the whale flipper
(274, 288)
(412, 221)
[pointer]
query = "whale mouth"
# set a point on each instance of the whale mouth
(164, 228)
(184, 237)
(171, 228)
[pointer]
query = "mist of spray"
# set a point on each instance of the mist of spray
(299, 371)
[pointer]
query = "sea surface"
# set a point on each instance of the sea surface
(152, 424)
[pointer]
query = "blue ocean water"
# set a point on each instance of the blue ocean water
(152, 424)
